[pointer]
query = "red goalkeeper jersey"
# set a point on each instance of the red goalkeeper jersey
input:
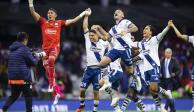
(51, 32)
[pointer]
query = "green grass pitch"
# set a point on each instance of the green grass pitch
(134, 111)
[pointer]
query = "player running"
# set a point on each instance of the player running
(95, 49)
(189, 39)
(51, 30)
(149, 46)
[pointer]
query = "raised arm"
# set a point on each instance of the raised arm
(179, 35)
(77, 18)
(85, 22)
(35, 15)
(161, 35)
(102, 33)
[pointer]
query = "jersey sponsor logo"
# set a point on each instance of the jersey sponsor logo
(156, 78)
(95, 49)
(56, 24)
(50, 31)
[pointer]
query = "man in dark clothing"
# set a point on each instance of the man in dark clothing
(19, 63)
(169, 76)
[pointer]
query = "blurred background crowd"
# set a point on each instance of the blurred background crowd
(72, 59)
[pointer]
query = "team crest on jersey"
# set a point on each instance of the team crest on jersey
(95, 49)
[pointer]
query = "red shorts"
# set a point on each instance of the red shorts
(50, 52)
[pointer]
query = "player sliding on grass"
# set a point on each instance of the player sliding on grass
(51, 29)
(189, 39)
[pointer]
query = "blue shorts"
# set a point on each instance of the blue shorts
(125, 55)
(153, 75)
(115, 77)
(144, 89)
(91, 76)
(192, 75)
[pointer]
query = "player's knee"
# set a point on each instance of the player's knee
(130, 70)
(101, 82)
(51, 60)
(153, 88)
(104, 62)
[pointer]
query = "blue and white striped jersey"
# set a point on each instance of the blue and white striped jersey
(121, 42)
(94, 50)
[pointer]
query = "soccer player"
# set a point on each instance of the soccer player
(110, 82)
(51, 30)
(121, 48)
(95, 49)
(149, 46)
(189, 39)
(135, 88)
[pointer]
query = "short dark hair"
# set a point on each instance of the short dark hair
(152, 29)
(53, 10)
(120, 10)
(93, 31)
(21, 36)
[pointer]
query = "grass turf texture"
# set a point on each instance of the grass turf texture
(135, 111)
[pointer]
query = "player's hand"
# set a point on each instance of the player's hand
(89, 12)
(30, 1)
(170, 23)
(95, 27)
(40, 54)
(123, 33)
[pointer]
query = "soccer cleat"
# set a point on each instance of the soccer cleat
(81, 108)
(118, 110)
(115, 99)
(162, 109)
(192, 110)
(50, 88)
(56, 99)
(105, 86)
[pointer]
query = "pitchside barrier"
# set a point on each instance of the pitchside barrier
(71, 105)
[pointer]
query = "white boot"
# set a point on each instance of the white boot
(106, 84)
(115, 98)
(192, 110)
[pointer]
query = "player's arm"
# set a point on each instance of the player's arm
(77, 18)
(85, 24)
(132, 28)
(179, 35)
(35, 15)
(161, 35)
(104, 35)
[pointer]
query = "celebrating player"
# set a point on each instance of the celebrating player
(121, 48)
(51, 30)
(149, 46)
(189, 39)
(95, 49)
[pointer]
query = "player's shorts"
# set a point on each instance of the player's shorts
(50, 52)
(125, 55)
(192, 75)
(144, 89)
(153, 75)
(91, 75)
(115, 77)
